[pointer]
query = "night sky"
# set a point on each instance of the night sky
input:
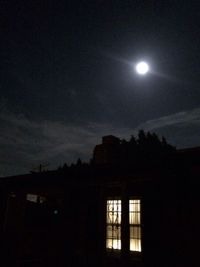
(67, 77)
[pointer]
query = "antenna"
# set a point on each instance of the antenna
(42, 167)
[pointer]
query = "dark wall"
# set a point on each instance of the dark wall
(69, 228)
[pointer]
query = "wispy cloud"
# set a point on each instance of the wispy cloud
(26, 143)
(181, 129)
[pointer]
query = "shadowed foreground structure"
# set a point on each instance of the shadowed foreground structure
(134, 205)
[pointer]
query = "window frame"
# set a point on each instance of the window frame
(137, 224)
(125, 223)
(117, 211)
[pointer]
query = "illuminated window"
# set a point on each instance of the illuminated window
(113, 224)
(135, 224)
(32, 198)
(35, 198)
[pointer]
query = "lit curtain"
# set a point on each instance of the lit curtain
(135, 224)
(113, 228)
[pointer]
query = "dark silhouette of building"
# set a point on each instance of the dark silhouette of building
(116, 211)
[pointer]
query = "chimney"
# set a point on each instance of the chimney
(108, 152)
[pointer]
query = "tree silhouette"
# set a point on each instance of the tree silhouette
(79, 162)
(146, 149)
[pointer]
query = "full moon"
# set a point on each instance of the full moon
(142, 68)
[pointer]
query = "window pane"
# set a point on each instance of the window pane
(135, 232)
(114, 217)
(135, 245)
(109, 243)
(113, 244)
(134, 205)
(114, 232)
(114, 205)
(134, 218)
(134, 211)
(114, 211)
(109, 232)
